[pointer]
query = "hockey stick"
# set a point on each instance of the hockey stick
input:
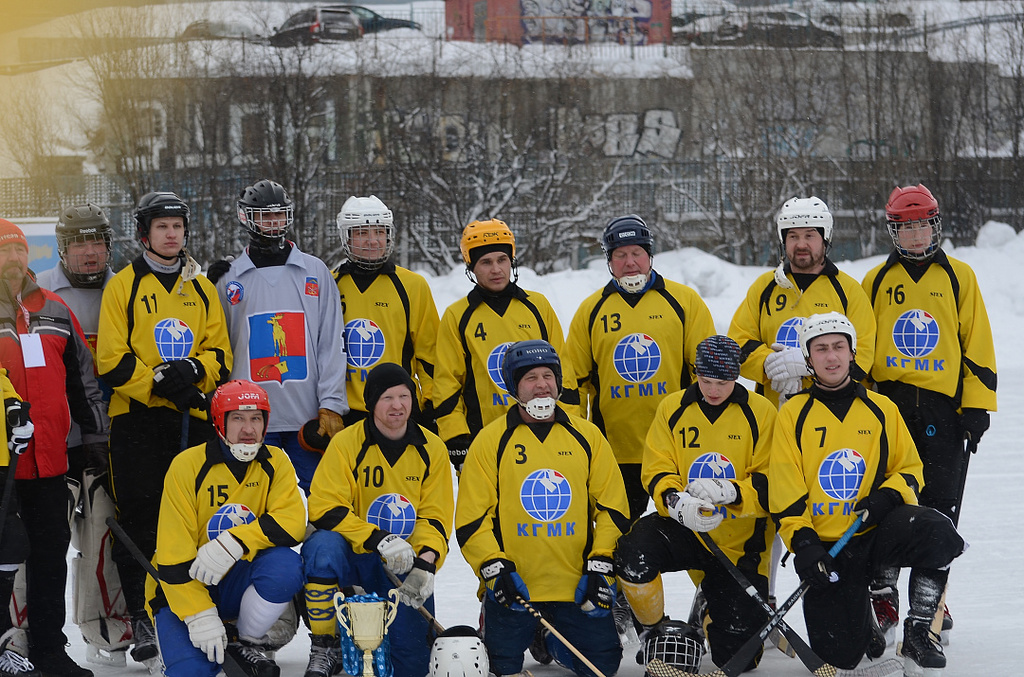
(230, 666)
(438, 628)
(738, 663)
(887, 668)
(561, 638)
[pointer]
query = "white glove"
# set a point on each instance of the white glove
(396, 553)
(215, 558)
(787, 387)
(20, 436)
(719, 492)
(693, 513)
(206, 632)
(785, 362)
(418, 585)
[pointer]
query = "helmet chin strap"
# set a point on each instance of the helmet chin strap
(540, 408)
(242, 451)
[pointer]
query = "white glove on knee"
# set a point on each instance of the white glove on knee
(785, 362)
(719, 492)
(396, 553)
(693, 513)
(418, 585)
(215, 558)
(206, 632)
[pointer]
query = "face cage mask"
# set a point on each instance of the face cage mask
(353, 254)
(935, 222)
(676, 649)
(83, 279)
(253, 217)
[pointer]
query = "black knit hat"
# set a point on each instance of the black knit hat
(718, 357)
(478, 253)
(383, 376)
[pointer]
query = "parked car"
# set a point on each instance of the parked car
(323, 23)
(688, 11)
(705, 31)
(762, 26)
(375, 23)
(219, 30)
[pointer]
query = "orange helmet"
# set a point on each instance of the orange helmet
(485, 233)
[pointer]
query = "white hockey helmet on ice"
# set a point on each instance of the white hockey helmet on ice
(826, 323)
(459, 652)
(804, 212)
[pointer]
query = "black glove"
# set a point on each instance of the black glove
(813, 563)
(17, 413)
(595, 593)
(217, 269)
(189, 398)
(426, 417)
(458, 447)
(503, 584)
(170, 378)
(975, 423)
(95, 456)
(876, 505)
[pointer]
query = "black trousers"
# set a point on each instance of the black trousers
(142, 445)
(657, 544)
(43, 505)
(935, 427)
(915, 537)
(636, 492)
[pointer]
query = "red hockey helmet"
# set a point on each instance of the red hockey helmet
(238, 396)
(913, 206)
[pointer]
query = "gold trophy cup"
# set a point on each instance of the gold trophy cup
(366, 623)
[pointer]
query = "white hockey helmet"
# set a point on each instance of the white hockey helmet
(804, 212)
(826, 323)
(674, 643)
(459, 652)
(362, 212)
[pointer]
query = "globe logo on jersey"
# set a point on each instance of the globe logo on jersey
(364, 342)
(227, 516)
(393, 513)
(174, 339)
(841, 473)
(494, 361)
(711, 466)
(545, 495)
(915, 333)
(789, 332)
(636, 358)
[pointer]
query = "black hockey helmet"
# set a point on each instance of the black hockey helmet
(157, 204)
(266, 211)
(523, 356)
(83, 223)
(674, 643)
(626, 230)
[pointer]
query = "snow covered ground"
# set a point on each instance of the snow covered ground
(986, 594)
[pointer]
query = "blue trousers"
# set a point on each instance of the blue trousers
(276, 573)
(328, 557)
(305, 462)
(508, 633)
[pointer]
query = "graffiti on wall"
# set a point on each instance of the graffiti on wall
(580, 21)
(653, 132)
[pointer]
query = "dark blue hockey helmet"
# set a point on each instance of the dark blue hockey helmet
(523, 356)
(626, 230)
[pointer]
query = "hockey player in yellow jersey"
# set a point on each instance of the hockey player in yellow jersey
(631, 343)
(390, 314)
(476, 330)
(162, 345)
(706, 465)
(381, 499)
(767, 322)
(541, 505)
(934, 357)
(230, 514)
(841, 451)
